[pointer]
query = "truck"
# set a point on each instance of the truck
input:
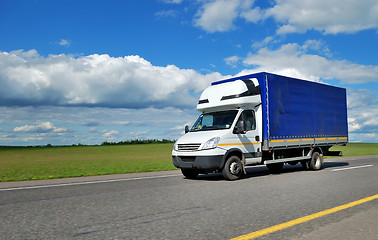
(262, 118)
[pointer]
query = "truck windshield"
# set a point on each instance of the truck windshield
(214, 121)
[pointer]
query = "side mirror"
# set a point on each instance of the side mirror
(240, 127)
(186, 129)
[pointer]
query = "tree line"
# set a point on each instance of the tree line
(128, 142)
(137, 141)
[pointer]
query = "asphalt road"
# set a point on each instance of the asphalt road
(165, 205)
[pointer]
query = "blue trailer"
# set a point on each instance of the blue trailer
(262, 118)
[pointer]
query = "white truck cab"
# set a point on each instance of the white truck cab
(230, 125)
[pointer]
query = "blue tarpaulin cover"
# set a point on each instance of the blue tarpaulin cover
(294, 108)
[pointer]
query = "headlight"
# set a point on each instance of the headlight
(175, 147)
(212, 143)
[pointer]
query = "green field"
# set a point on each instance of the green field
(357, 149)
(31, 163)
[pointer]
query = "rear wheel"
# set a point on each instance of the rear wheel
(189, 173)
(275, 167)
(316, 161)
(233, 168)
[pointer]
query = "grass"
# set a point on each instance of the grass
(357, 149)
(58, 162)
(28, 163)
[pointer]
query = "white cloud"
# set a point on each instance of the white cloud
(173, 1)
(111, 134)
(28, 139)
(353, 125)
(139, 135)
(166, 14)
(263, 43)
(327, 16)
(317, 46)
(158, 123)
(41, 127)
(292, 16)
(219, 15)
(293, 58)
(123, 123)
(363, 137)
(154, 99)
(232, 61)
(362, 114)
(251, 14)
(181, 128)
(96, 80)
(64, 42)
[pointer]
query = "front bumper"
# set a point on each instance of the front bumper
(206, 163)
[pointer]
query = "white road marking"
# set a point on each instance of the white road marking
(85, 183)
(348, 168)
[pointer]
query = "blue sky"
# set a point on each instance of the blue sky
(93, 71)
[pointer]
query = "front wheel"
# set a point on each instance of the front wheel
(233, 168)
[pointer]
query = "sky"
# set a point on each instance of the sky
(87, 72)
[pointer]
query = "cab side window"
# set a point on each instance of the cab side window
(248, 116)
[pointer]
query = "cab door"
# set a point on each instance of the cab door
(249, 139)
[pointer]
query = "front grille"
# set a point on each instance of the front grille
(189, 147)
(188, 159)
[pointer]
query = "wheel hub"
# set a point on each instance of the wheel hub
(235, 168)
(317, 162)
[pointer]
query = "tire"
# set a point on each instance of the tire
(233, 168)
(305, 164)
(189, 173)
(316, 161)
(275, 167)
